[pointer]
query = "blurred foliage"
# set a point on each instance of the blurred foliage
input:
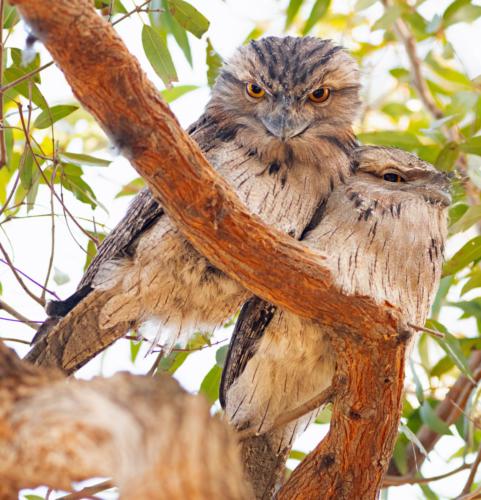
(50, 147)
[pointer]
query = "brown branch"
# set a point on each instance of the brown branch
(321, 399)
(472, 474)
(151, 437)
(109, 83)
(402, 480)
(10, 310)
(88, 491)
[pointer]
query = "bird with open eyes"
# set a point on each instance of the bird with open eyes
(383, 232)
(278, 128)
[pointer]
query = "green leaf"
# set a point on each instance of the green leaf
(131, 188)
(441, 367)
(363, 4)
(451, 346)
(60, 277)
(399, 456)
(413, 438)
(158, 55)
(166, 24)
(175, 92)
(470, 217)
(461, 11)
(297, 455)
(210, 385)
(26, 169)
(470, 252)
(472, 146)
(50, 115)
(417, 382)
(387, 19)
(188, 17)
(430, 418)
(221, 355)
(404, 140)
(318, 11)
(214, 63)
(134, 349)
(10, 16)
(33, 497)
(473, 282)
(85, 160)
(173, 361)
(12, 74)
(447, 157)
(292, 10)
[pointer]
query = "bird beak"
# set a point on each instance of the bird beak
(283, 126)
(438, 191)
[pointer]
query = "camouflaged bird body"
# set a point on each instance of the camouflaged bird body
(381, 239)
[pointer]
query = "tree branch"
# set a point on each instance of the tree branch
(154, 440)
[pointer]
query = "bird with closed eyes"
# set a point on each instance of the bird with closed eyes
(383, 231)
(278, 128)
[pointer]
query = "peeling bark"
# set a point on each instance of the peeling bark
(154, 440)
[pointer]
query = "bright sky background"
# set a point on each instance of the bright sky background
(231, 21)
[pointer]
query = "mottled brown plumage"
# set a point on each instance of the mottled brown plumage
(384, 239)
(283, 153)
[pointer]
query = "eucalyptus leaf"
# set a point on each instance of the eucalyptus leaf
(188, 17)
(51, 115)
(158, 55)
(211, 383)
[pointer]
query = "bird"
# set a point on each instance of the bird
(382, 232)
(278, 128)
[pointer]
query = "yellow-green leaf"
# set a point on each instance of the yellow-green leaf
(52, 115)
(158, 55)
(188, 17)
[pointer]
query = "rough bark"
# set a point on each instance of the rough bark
(151, 437)
(108, 81)
(351, 460)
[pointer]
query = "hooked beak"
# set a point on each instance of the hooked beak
(281, 125)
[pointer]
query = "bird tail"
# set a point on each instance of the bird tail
(264, 463)
(71, 341)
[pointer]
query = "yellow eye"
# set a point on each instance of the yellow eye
(392, 177)
(254, 90)
(319, 95)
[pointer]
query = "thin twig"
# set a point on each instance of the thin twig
(89, 491)
(52, 236)
(137, 9)
(24, 77)
(470, 496)
(29, 278)
(42, 173)
(18, 278)
(326, 396)
(11, 339)
(155, 366)
(400, 481)
(472, 474)
(19, 316)
(434, 333)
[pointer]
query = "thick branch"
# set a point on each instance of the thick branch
(154, 440)
(109, 82)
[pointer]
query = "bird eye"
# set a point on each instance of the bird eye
(392, 177)
(255, 90)
(319, 95)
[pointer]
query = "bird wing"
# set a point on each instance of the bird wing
(143, 212)
(255, 316)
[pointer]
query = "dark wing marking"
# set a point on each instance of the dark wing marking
(253, 320)
(143, 212)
